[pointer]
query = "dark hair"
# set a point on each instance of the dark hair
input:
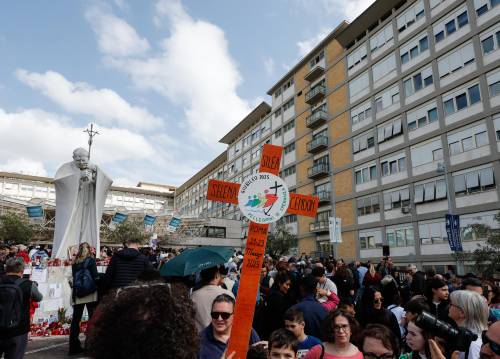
(144, 322)
(382, 333)
(223, 298)
(257, 352)
(282, 277)
(149, 275)
(294, 315)
(327, 326)
(208, 274)
(417, 305)
(475, 282)
(282, 338)
(318, 271)
(308, 284)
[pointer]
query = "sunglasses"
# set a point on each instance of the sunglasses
(223, 315)
(495, 347)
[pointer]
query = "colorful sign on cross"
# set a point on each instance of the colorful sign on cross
(263, 198)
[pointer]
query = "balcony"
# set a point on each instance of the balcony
(324, 196)
(316, 94)
(317, 144)
(316, 119)
(318, 171)
(315, 72)
(320, 226)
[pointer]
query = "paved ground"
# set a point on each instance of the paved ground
(49, 348)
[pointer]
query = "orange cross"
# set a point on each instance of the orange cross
(227, 192)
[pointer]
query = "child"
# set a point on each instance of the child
(294, 323)
(282, 345)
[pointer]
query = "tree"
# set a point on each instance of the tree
(486, 257)
(128, 230)
(280, 241)
(15, 229)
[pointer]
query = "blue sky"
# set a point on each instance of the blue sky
(162, 80)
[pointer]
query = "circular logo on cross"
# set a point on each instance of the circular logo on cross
(263, 198)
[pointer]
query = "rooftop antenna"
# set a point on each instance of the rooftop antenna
(91, 134)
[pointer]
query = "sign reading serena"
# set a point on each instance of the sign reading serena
(263, 198)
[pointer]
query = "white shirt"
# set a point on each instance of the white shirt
(329, 286)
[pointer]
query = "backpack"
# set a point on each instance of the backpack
(11, 304)
(83, 283)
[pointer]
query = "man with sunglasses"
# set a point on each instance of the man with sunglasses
(214, 338)
(491, 342)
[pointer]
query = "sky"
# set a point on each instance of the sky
(163, 81)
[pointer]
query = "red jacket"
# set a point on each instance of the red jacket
(24, 256)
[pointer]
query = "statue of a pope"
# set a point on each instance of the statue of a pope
(81, 189)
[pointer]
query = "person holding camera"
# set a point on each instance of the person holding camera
(468, 309)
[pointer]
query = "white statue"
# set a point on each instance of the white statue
(81, 190)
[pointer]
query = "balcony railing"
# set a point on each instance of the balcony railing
(324, 196)
(316, 94)
(319, 170)
(316, 119)
(317, 144)
(315, 72)
(320, 226)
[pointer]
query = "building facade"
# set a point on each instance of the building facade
(393, 121)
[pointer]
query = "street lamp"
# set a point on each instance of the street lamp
(441, 168)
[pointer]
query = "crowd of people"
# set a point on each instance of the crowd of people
(306, 308)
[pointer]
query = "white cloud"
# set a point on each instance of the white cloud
(193, 69)
(115, 36)
(25, 166)
(305, 46)
(269, 65)
(350, 9)
(82, 98)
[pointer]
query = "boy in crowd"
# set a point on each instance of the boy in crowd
(295, 324)
(282, 345)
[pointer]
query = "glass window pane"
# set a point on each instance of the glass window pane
(408, 88)
(414, 52)
(366, 177)
(412, 125)
(417, 81)
(440, 189)
(481, 139)
(400, 238)
(410, 240)
(429, 194)
(387, 202)
(472, 180)
(394, 167)
(461, 101)
(439, 36)
(488, 44)
(422, 121)
(450, 27)
(462, 19)
(402, 164)
(390, 239)
(428, 81)
(459, 183)
(405, 58)
(487, 177)
(358, 177)
(419, 194)
(455, 148)
(495, 89)
(474, 95)
(432, 115)
(373, 172)
(424, 44)
(449, 107)
(467, 144)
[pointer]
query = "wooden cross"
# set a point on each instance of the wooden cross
(227, 192)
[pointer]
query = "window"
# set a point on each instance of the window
(389, 130)
(384, 67)
(493, 81)
(461, 99)
(426, 152)
(291, 218)
(288, 84)
(357, 85)
(456, 60)
(277, 113)
(418, 81)
(363, 142)
(368, 205)
(288, 105)
(406, 20)
(277, 133)
(366, 174)
(468, 139)
(422, 116)
(414, 47)
(474, 181)
(317, 59)
(430, 191)
(483, 6)
(361, 113)
(400, 237)
(288, 126)
(277, 93)
(396, 199)
(387, 98)
(393, 165)
(451, 24)
(289, 148)
(356, 57)
(381, 38)
(288, 171)
(432, 232)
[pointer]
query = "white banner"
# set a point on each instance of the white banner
(335, 227)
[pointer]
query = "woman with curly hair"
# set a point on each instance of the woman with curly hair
(144, 321)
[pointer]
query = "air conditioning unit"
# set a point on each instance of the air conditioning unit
(406, 209)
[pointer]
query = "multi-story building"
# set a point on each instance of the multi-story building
(393, 121)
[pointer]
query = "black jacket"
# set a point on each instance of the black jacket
(30, 291)
(272, 315)
(417, 286)
(440, 311)
(380, 316)
(125, 266)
